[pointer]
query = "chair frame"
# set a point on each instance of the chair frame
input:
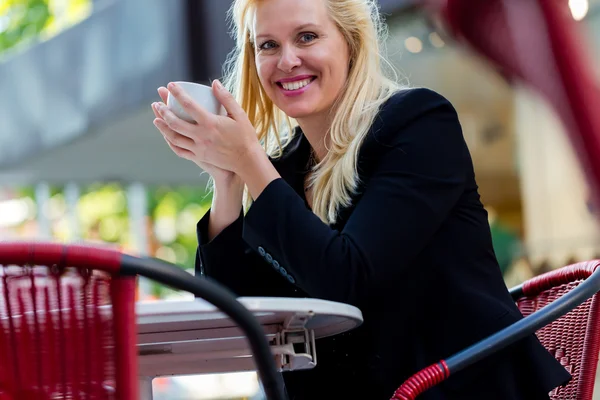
(124, 268)
(591, 348)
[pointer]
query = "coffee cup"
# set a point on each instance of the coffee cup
(201, 94)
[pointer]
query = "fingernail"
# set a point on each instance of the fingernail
(218, 84)
(171, 85)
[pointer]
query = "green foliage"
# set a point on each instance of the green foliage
(103, 216)
(22, 21)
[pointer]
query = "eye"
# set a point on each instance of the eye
(268, 45)
(307, 37)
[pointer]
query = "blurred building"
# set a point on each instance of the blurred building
(76, 110)
(77, 107)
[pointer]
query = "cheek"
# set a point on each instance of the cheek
(264, 72)
(338, 71)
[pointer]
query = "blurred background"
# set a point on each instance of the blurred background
(80, 159)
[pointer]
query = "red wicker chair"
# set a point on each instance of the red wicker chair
(574, 339)
(562, 308)
(68, 322)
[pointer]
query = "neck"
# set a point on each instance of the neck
(315, 129)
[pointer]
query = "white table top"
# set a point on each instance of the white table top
(194, 337)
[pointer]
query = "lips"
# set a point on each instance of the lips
(296, 83)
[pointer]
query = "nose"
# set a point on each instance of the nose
(288, 59)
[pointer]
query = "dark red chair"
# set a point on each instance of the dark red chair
(67, 333)
(561, 307)
(574, 339)
(68, 322)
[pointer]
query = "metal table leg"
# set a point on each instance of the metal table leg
(146, 388)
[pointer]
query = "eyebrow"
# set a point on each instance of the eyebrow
(299, 28)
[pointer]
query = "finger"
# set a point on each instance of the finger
(198, 113)
(155, 110)
(163, 92)
(183, 153)
(234, 110)
(173, 137)
(173, 121)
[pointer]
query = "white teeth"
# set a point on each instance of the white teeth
(296, 85)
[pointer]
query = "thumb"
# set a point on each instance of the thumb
(234, 110)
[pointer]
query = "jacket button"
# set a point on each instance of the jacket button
(290, 278)
(261, 251)
(276, 264)
(269, 258)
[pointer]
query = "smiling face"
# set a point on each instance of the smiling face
(302, 58)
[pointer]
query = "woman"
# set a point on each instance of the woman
(370, 200)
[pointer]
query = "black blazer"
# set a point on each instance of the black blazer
(413, 251)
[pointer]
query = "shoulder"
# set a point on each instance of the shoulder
(407, 104)
(413, 110)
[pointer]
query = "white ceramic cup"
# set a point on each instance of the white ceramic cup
(202, 94)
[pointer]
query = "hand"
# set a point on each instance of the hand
(218, 174)
(227, 142)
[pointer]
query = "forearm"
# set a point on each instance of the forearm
(257, 171)
(227, 260)
(226, 205)
(319, 260)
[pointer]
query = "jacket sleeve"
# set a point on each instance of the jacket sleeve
(418, 176)
(228, 260)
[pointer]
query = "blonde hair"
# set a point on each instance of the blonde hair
(335, 178)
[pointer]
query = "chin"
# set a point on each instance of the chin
(298, 110)
(297, 114)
